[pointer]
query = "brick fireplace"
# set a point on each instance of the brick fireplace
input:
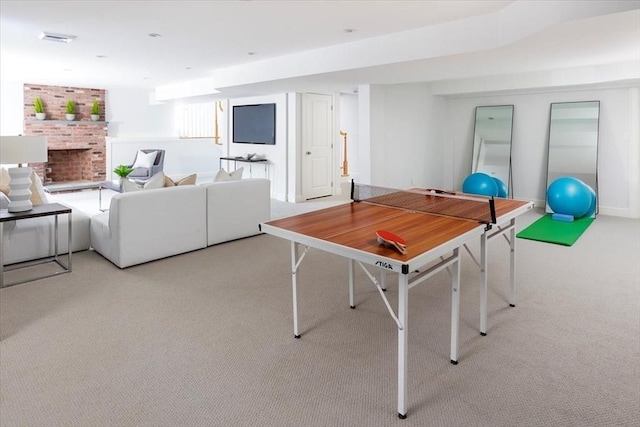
(76, 149)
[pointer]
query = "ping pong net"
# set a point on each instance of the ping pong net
(434, 202)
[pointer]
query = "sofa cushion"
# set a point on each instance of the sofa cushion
(236, 208)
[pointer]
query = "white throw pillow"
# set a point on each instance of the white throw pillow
(38, 195)
(37, 183)
(144, 160)
(156, 181)
(130, 186)
(223, 175)
(4, 204)
(4, 201)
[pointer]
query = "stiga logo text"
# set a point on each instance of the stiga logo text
(384, 265)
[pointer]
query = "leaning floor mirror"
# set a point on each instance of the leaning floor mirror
(492, 143)
(573, 143)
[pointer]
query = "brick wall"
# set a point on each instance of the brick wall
(77, 149)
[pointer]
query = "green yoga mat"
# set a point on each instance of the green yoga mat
(549, 230)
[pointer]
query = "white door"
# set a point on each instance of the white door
(317, 145)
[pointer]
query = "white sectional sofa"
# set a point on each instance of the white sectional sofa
(147, 225)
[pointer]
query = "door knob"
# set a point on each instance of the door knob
(308, 152)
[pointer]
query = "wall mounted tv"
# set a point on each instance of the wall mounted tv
(254, 124)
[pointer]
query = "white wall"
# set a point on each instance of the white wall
(11, 108)
(618, 160)
(406, 147)
(131, 113)
(348, 123)
(414, 138)
(276, 154)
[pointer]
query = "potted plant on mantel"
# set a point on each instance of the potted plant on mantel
(71, 110)
(95, 111)
(38, 106)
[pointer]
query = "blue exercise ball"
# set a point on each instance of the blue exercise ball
(480, 183)
(569, 196)
(592, 208)
(502, 188)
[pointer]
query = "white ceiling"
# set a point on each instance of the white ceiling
(302, 45)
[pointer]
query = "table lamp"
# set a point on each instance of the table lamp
(19, 150)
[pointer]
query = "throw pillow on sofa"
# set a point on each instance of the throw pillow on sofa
(38, 195)
(156, 181)
(187, 180)
(223, 175)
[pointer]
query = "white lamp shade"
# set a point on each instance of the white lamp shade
(23, 149)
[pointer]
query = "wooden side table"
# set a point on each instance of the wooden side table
(50, 209)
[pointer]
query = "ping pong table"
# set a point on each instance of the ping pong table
(434, 234)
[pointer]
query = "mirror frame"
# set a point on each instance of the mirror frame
(597, 140)
(476, 149)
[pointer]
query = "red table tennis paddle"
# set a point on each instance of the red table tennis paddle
(387, 238)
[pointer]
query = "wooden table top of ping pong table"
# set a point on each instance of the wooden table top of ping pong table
(353, 225)
(433, 244)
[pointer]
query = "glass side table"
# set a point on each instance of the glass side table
(51, 209)
(115, 185)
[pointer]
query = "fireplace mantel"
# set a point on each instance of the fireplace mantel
(67, 122)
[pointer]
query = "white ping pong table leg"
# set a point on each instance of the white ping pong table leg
(403, 316)
(483, 283)
(294, 285)
(455, 306)
(351, 279)
(512, 272)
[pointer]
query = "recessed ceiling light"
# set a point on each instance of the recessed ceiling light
(188, 68)
(146, 78)
(252, 53)
(154, 35)
(52, 37)
(101, 56)
(349, 30)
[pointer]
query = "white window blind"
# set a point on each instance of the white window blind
(195, 120)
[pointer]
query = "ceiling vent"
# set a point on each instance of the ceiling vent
(60, 38)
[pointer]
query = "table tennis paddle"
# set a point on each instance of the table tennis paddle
(390, 239)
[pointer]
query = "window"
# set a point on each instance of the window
(195, 120)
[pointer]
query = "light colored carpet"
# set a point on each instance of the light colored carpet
(205, 339)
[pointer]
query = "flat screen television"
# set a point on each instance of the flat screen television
(254, 124)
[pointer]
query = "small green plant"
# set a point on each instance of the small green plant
(122, 171)
(71, 106)
(38, 106)
(95, 108)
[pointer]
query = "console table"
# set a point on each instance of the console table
(235, 161)
(51, 209)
